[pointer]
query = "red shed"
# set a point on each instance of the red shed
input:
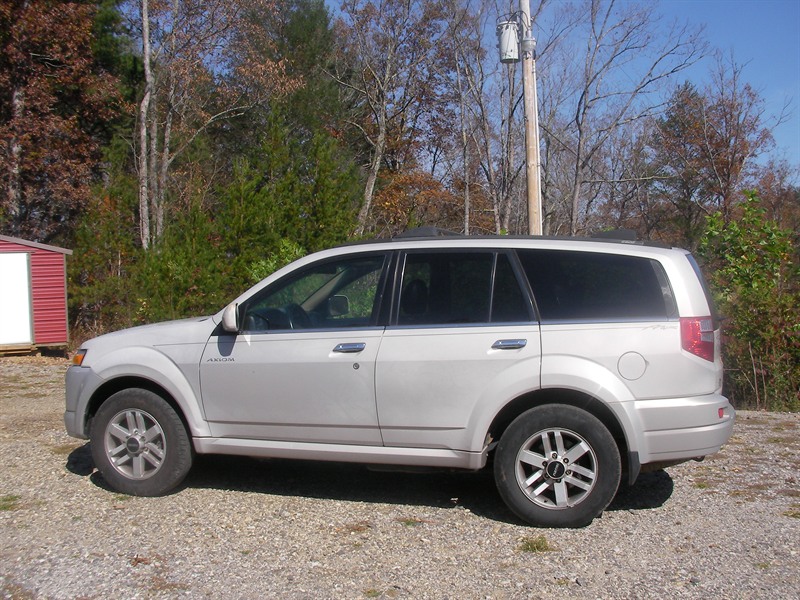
(33, 295)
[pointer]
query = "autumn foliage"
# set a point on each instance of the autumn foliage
(53, 102)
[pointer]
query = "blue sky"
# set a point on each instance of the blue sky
(764, 35)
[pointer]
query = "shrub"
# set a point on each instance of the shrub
(751, 265)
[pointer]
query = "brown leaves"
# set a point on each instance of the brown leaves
(52, 96)
(412, 199)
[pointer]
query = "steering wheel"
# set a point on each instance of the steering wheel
(298, 318)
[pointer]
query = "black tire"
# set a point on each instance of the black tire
(552, 483)
(139, 444)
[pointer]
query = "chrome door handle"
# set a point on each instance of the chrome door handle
(350, 348)
(509, 344)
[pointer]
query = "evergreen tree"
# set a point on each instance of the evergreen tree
(290, 190)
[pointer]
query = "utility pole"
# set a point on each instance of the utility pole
(532, 160)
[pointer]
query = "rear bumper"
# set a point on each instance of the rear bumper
(683, 428)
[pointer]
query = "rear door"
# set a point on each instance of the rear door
(463, 337)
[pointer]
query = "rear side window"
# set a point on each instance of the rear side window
(449, 288)
(581, 286)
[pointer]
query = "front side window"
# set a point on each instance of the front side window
(452, 288)
(336, 293)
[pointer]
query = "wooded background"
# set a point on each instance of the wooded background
(186, 149)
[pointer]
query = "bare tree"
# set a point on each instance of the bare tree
(472, 84)
(388, 65)
(614, 77)
(735, 129)
(195, 54)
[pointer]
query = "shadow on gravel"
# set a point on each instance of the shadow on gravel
(80, 461)
(357, 483)
(352, 482)
(651, 490)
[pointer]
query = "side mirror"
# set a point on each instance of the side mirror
(230, 318)
(338, 306)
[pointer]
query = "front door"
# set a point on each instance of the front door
(303, 366)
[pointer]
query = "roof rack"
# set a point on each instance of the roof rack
(618, 236)
(427, 232)
(628, 235)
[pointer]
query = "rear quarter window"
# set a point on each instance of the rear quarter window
(704, 284)
(591, 286)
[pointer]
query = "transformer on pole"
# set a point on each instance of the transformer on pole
(508, 41)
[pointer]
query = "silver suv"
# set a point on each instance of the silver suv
(573, 364)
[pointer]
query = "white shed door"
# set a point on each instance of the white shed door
(15, 299)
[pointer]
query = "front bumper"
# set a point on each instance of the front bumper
(80, 383)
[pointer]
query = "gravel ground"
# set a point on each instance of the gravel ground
(725, 528)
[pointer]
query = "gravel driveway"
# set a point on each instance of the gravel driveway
(243, 528)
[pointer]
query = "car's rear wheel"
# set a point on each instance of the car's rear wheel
(139, 443)
(557, 466)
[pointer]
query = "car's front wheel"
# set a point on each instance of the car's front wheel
(139, 443)
(557, 466)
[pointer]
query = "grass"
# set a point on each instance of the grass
(63, 449)
(536, 544)
(793, 512)
(359, 527)
(411, 521)
(373, 593)
(782, 427)
(746, 495)
(13, 380)
(760, 487)
(9, 502)
(781, 441)
(755, 420)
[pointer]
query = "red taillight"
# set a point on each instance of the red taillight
(697, 336)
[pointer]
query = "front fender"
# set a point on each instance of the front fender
(153, 365)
